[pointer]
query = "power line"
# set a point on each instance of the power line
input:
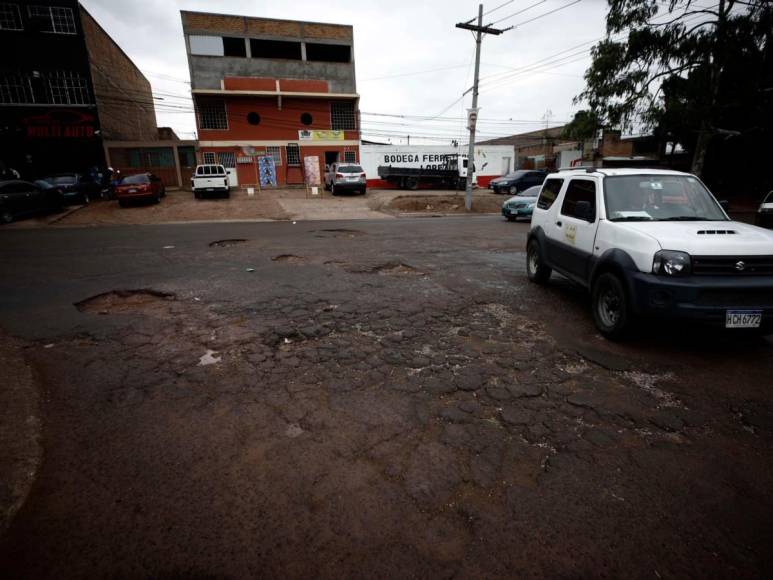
(545, 14)
(521, 11)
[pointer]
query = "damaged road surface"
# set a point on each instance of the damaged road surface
(395, 402)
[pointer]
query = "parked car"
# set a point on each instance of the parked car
(517, 181)
(141, 186)
(765, 212)
(210, 179)
(521, 205)
(75, 187)
(651, 243)
(341, 177)
(21, 198)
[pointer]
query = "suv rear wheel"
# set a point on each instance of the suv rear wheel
(536, 269)
(611, 307)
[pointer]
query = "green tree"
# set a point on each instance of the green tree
(583, 126)
(668, 66)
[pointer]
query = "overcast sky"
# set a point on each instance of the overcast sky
(528, 72)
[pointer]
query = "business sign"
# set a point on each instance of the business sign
(267, 171)
(418, 160)
(61, 125)
(321, 135)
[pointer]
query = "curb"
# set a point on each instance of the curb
(64, 215)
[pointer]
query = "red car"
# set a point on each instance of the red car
(143, 186)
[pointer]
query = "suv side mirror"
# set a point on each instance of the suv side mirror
(725, 204)
(584, 211)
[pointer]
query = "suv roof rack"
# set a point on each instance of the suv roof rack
(584, 168)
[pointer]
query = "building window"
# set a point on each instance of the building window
(227, 159)
(253, 118)
(234, 47)
(212, 115)
(328, 52)
(293, 154)
(56, 19)
(276, 153)
(208, 157)
(206, 45)
(342, 116)
(10, 17)
(350, 157)
(275, 49)
(16, 89)
(68, 88)
(307, 119)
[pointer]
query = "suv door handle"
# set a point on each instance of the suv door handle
(559, 224)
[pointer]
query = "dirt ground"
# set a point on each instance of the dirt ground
(446, 204)
(20, 449)
(384, 398)
(287, 204)
(180, 206)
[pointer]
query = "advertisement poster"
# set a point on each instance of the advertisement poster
(320, 135)
(267, 171)
(311, 170)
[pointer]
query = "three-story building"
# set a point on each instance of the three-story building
(272, 87)
(65, 88)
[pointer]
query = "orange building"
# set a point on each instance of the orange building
(272, 87)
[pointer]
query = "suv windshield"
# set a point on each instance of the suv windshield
(349, 169)
(659, 198)
(135, 179)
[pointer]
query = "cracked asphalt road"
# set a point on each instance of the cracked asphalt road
(380, 399)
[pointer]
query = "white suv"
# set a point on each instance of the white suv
(654, 242)
(210, 179)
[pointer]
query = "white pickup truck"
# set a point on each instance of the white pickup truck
(210, 180)
(651, 242)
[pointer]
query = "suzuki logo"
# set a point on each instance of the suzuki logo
(740, 266)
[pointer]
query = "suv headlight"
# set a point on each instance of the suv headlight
(671, 263)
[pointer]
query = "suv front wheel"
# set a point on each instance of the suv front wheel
(536, 269)
(611, 307)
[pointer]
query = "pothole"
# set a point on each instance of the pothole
(389, 269)
(123, 300)
(226, 243)
(339, 233)
(289, 259)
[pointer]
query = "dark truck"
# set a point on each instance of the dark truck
(448, 174)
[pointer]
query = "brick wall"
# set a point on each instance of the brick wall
(194, 22)
(275, 124)
(123, 95)
(613, 146)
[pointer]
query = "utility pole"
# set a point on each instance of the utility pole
(472, 118)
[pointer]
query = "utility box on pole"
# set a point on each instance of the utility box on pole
(472, 116)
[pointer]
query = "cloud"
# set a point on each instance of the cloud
(392, 38)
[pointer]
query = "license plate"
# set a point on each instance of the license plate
(743, 319)
(132, 191)
(352, 178)
(210, 189)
